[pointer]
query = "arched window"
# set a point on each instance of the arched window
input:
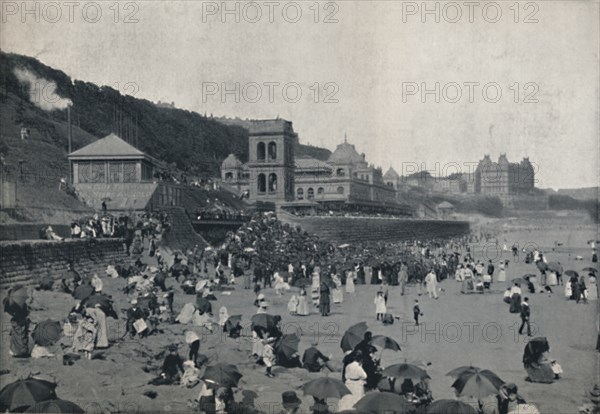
(311, 193)
(272, 151)
(300, 194)
(340, 190)
(320, 190)
(260, 151)
(261, 183)
(340, 172)
(229, 176)
(272, 182)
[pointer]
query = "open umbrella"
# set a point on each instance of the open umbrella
(105, 303)
(385, 342)
(450, 407)
(406, 371)
(225, 375)
(572, 273)
(457, 372)
(519, 280)
(233, 321)
(590, 270)
(25, 393)
(287, 345)
(477, 384)
(302, 282)
(47, 333)
(17, 296)
(384, 402)
(84, 291)
(542, 267)
(55, 406)
(353, 336)
(264, 320)
(555, 267)
(323, 388)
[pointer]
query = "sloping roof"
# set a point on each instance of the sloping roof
(345, 154)
(231, 162)
(109, 146)
(391, 174)
(445, 205)
(311, 164)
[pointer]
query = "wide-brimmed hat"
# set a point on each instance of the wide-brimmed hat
(289, 399)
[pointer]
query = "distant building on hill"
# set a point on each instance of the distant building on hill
(503, 178)
(113, 171)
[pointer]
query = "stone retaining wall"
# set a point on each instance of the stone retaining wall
(27, 261)
(353, 229)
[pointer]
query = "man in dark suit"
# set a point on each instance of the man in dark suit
(525, 314)
(313, 360)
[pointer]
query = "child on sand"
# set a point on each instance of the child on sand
(417, 312)
(269, 356)
(380, 308)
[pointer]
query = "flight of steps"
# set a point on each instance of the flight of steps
(181, 235)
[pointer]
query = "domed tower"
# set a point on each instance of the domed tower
(231, 169)
(271, 160)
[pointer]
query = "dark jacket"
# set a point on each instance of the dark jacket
(311, 358)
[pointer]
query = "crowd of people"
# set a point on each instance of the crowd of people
(273, 258)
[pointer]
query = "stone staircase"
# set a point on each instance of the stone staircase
(181, 235)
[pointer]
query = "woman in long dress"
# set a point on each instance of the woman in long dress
(355, 381)
(100, 317)
(302, 308)
(552, 278)
(316, 284)
(592, 290)
(502, 274)
(338, 295)
(350, 282)
(568, 290)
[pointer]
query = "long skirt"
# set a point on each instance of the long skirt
(515, 303)
(100, 318)
(568, 290)
(257, 345)
(324, 306)
(349, 285)
(315, 294)
(19, 338)
(592, 292)
(302, 308)
(357, 392)
(552, 279)
(501, 276)
(338, 296)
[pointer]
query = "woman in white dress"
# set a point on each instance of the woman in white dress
(592, 289)
(355, 381)
(338, 295)
(350, 282)
(552, 278)
(502, 273)
(568, 290)
(302, 308)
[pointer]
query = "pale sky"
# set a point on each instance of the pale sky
(374, 51)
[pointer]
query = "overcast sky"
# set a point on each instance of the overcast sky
(185, 51)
